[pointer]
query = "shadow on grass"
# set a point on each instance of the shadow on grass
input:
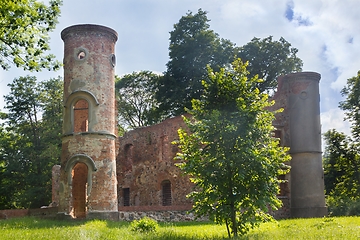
(37, 223)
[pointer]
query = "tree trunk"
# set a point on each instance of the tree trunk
(233, 219)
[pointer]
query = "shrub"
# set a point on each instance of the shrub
(343, 206)
(145, 224)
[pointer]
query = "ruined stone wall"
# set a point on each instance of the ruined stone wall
(160, 216)
(145, 161)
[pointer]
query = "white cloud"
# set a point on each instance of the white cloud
(334, 119)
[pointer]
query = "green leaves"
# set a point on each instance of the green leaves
(24, 28)
(341, 166)
(30, 142)
(229, 151)
(351, 105)
(269, 59)
(137, 106)
(193, 46)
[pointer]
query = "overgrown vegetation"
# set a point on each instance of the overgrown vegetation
(317, 228)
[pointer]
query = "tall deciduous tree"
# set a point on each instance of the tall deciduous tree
(24, 29)
(351, 105)
(30, 142)
(269, 59)
(230, 153)
(193, 46)
(137, 106)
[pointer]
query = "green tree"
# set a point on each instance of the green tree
(24, 29)
(193, 46)
(342, 158)
(230, 153)
(30, 142)
(351, 105)
(137, 106)
(341, 165)
(269, 59)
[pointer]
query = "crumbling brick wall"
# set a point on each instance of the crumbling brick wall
(145, 164)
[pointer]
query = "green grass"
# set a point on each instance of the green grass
(318, 228)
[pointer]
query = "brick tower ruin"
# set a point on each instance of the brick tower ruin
(108, 177)
(88, 184)
(299, 128)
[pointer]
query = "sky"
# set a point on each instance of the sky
(326, 33)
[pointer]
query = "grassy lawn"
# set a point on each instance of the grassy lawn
(318, 228)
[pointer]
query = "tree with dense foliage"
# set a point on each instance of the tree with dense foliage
(341, 165)
(230, 153)
(351, 104)
(30, 142)
(193, 46)
(24, 29)
(137, 106)
(269, 59)
(342, 156)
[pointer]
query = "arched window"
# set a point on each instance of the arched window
(166, 193)
(79, 112)
(81, 116)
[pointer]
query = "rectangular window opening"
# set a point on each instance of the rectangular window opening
(126, 196)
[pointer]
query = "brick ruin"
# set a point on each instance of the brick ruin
(109, 177)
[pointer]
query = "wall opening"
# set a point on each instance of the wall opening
(81, 116)
(166, 193)
(126, 196)
(79, 193)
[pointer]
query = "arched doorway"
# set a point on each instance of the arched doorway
(79, 192)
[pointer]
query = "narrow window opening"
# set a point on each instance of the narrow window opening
(113, 60)
(166, 193)
(81, 116)
(126, 195)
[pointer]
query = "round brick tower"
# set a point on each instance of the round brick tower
(88, 185)
(307, 178)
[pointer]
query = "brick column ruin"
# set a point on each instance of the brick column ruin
(88, 185)
(307, 177)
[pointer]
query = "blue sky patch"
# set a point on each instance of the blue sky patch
(298, 19)
(289, 12)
